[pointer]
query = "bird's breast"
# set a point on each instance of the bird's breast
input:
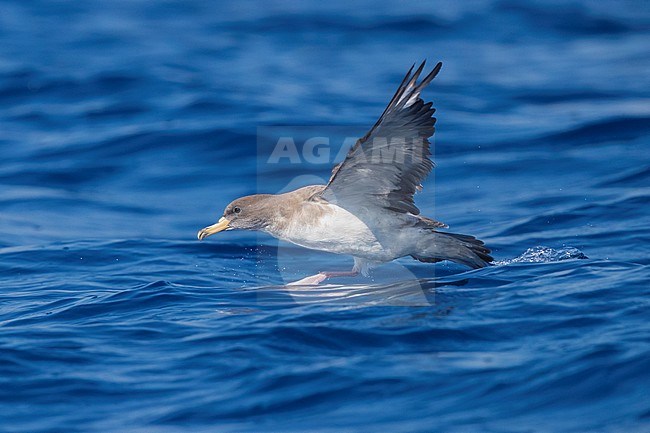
(327, 227)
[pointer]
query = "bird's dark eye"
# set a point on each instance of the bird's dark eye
(236, 209)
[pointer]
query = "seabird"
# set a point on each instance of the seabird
(366, 210)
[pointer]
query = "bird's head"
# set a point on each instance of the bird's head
(245, 213)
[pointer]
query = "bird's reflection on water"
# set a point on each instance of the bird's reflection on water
(414, 292)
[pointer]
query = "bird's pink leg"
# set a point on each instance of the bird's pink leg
(314, 280)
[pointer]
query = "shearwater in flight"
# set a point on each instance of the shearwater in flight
(366, 210)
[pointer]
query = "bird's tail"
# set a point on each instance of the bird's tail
(463, 249)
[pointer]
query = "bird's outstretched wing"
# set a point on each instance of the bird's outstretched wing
(386, 166)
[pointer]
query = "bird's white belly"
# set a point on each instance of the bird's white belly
(336, 231)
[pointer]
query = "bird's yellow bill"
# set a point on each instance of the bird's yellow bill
(214, 228)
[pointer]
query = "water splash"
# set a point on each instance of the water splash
(543, 254)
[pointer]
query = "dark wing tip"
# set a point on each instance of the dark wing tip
(433, 74)
(417, 73)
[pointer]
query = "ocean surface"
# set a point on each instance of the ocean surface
(126, 126)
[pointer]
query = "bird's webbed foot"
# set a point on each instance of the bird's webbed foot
(315, 280)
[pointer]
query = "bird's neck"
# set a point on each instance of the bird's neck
(284, 211)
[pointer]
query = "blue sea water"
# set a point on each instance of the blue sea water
(126, 126)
